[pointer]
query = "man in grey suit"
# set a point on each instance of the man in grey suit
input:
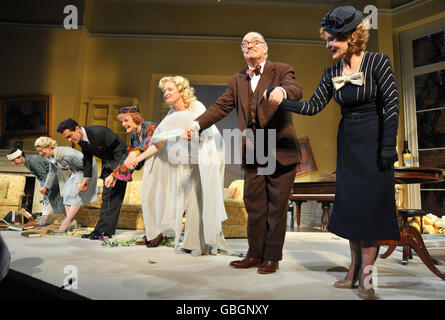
(103, 143)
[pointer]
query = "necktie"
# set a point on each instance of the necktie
(356, 79)
(84, 145)
(256, 71)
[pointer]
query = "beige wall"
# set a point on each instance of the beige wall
(128, 72)
(42, 62)
(123, 50)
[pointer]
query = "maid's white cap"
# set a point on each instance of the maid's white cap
(14, 155)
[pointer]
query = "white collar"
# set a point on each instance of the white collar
(84, 137)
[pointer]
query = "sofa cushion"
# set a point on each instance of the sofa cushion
(14, 194)
(92, 205)
(234, 203)
(234, 231)
(134, 192)
(16, 187)
(130, 217)
(9, 202)
(131, 207)
(238, 185)
(4, 185)
(98, 202)
(229, 193)
(132, 195)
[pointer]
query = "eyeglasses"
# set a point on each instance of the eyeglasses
(254, 43)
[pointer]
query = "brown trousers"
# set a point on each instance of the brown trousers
(266, 200)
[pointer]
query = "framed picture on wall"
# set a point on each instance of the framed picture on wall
(307, 164)
(26, 117)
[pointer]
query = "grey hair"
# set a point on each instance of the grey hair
(259, 35)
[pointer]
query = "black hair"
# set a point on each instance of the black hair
(69, 124)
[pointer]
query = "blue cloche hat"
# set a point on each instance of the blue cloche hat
(341, 20)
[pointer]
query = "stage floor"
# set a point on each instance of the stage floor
(312, 262)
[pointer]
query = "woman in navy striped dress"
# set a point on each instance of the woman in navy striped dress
(364, 85)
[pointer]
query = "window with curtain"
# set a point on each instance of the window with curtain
(423, 70)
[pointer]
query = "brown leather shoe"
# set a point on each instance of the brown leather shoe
(268, 266)
(142, 243)
(247, 262)
(156, 241)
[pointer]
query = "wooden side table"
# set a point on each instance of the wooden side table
(322, 191)
(410, 236)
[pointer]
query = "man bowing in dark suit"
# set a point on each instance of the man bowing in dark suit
(265, 194)
(103, 143)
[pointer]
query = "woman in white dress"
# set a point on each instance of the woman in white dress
(183, 177)
(61, 160)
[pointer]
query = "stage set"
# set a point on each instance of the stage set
(88, 59)
(312, 262)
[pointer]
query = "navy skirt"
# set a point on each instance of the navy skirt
(364, 206)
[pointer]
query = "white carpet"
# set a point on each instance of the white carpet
(312, 262)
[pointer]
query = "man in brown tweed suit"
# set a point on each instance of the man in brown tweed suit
(265, 195)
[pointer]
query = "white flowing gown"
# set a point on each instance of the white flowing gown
(186, 177)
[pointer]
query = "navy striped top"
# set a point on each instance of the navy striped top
(379, 92)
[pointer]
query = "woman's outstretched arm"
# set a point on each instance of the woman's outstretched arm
(316, 103)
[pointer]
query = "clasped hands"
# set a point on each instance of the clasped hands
(273, 95)
(131, 162)
(188, 131)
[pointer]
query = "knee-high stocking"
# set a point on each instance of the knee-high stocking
(369, 254)
(356, 258)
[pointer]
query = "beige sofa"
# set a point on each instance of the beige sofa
(236, 224)
(12, 190)
(131, 212)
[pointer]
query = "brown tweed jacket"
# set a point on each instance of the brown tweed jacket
(269, 116)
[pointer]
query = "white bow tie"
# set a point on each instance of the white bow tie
(356, 78)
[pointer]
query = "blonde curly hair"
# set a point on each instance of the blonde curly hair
(357, 38)
(183, 86)
(44, 142)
